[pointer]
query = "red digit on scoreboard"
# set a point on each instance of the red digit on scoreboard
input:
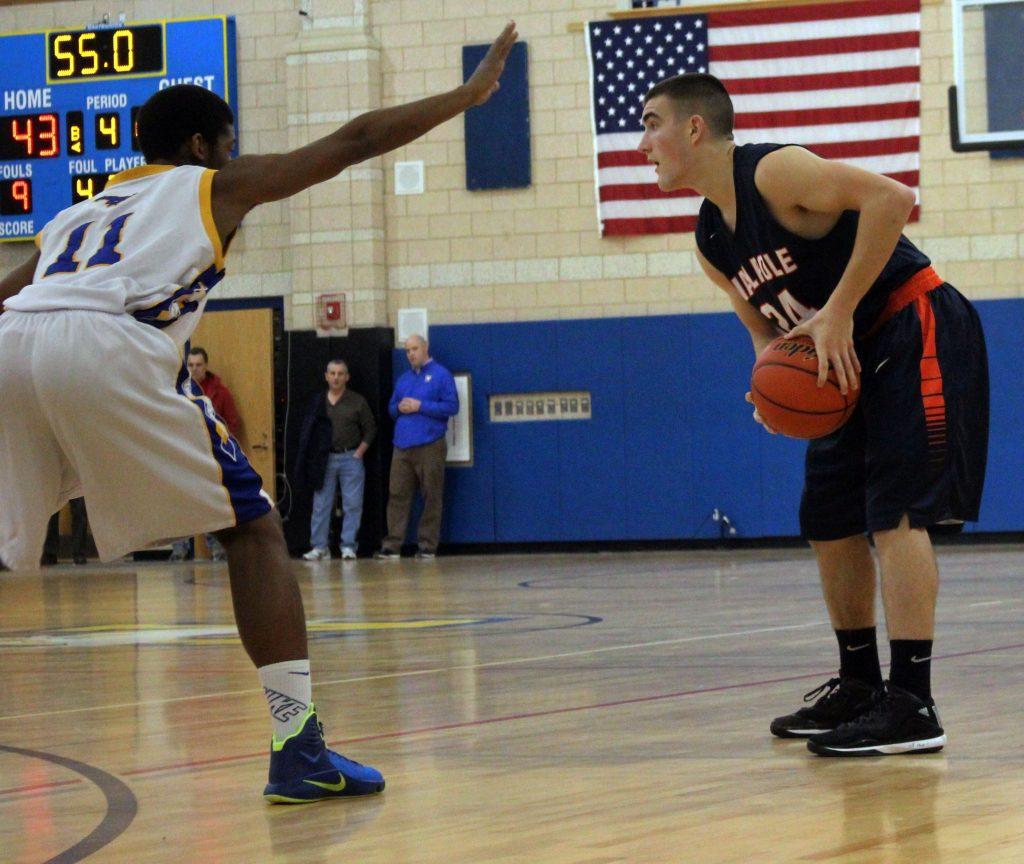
(48, 133)
(21, 190)
(24, 137)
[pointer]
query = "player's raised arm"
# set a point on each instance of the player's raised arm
(18, 278)
(252, 180)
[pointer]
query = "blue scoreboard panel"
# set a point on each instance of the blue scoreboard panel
(69, 99)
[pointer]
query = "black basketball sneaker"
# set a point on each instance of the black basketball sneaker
(842, 700)
(898, 722)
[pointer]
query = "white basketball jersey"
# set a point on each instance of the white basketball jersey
(146, 245)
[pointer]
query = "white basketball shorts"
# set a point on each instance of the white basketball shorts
(88, 406)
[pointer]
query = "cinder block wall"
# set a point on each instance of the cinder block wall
(500, 256)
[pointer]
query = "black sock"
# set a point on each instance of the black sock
(858, 655)
(912, 666)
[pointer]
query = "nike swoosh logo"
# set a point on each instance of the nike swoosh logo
(858, 647)
(880, 365)
(919, 659)
(330, 787)
(299, 673)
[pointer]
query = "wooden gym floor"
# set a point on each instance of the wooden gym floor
(529, 709)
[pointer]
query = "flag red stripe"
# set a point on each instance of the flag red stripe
(836, 150)
(649, 225)
(672, 224)
(640, 191)
(650, 191)
(814, 47)
(855, 149)
(828, 116)
(823, 81)
(824, 11)
(621, 159)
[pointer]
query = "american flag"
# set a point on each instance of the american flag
(843, 79)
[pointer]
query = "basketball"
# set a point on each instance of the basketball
(784, 387)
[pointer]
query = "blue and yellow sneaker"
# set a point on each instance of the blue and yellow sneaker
(303, 770)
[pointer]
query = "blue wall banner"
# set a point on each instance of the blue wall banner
(498, 132)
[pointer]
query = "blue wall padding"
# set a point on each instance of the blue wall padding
(469, 492)
(671, 437)
(498, 132)
(1002, 507)
(526, 455)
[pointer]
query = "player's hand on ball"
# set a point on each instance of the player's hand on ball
(484, 80)
(833, 342)
(757, 417)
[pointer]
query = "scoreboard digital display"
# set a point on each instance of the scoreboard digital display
(69, 99)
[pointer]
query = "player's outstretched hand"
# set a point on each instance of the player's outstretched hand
(484, 80)
(757, 415)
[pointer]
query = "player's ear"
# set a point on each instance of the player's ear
(198, 149)
(697, 128)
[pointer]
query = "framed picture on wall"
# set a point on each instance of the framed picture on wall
(460, 427)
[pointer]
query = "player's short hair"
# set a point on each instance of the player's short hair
(200, 352)
(699, 93)
(337, 361)
(171, 116)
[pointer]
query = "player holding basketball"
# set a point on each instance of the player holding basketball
(805, 245)
(117, 286)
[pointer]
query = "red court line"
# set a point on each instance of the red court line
(444, 727)
(527, 715)
(16, 790)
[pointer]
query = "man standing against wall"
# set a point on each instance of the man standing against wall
(337, 432)
(423, 400)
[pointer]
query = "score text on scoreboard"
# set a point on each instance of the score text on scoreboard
(69, 101)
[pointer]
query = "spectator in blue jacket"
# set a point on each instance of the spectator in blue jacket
(423, 400)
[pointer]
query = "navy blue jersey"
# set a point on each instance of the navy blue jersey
(786, 277)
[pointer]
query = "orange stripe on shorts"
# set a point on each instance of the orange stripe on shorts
(932, 396)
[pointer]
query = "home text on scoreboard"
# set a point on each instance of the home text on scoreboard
(69, 102)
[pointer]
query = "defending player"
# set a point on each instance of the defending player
(805, 245)
(117, 286)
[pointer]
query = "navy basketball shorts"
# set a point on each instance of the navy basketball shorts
(917, 442)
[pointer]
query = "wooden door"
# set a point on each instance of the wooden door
(240, 344)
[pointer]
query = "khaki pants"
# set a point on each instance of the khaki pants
(422, 468)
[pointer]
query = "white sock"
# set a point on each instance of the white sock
(289, 694)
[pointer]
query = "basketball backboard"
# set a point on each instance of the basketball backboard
(986, 101)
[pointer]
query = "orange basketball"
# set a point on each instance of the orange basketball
(784, 386)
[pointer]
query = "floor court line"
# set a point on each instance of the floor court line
(446, 727)
(403, 733)
(249, 691)
(551, 712)
(487, 721)
(121, 804)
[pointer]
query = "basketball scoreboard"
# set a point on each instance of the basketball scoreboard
(69, 100)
